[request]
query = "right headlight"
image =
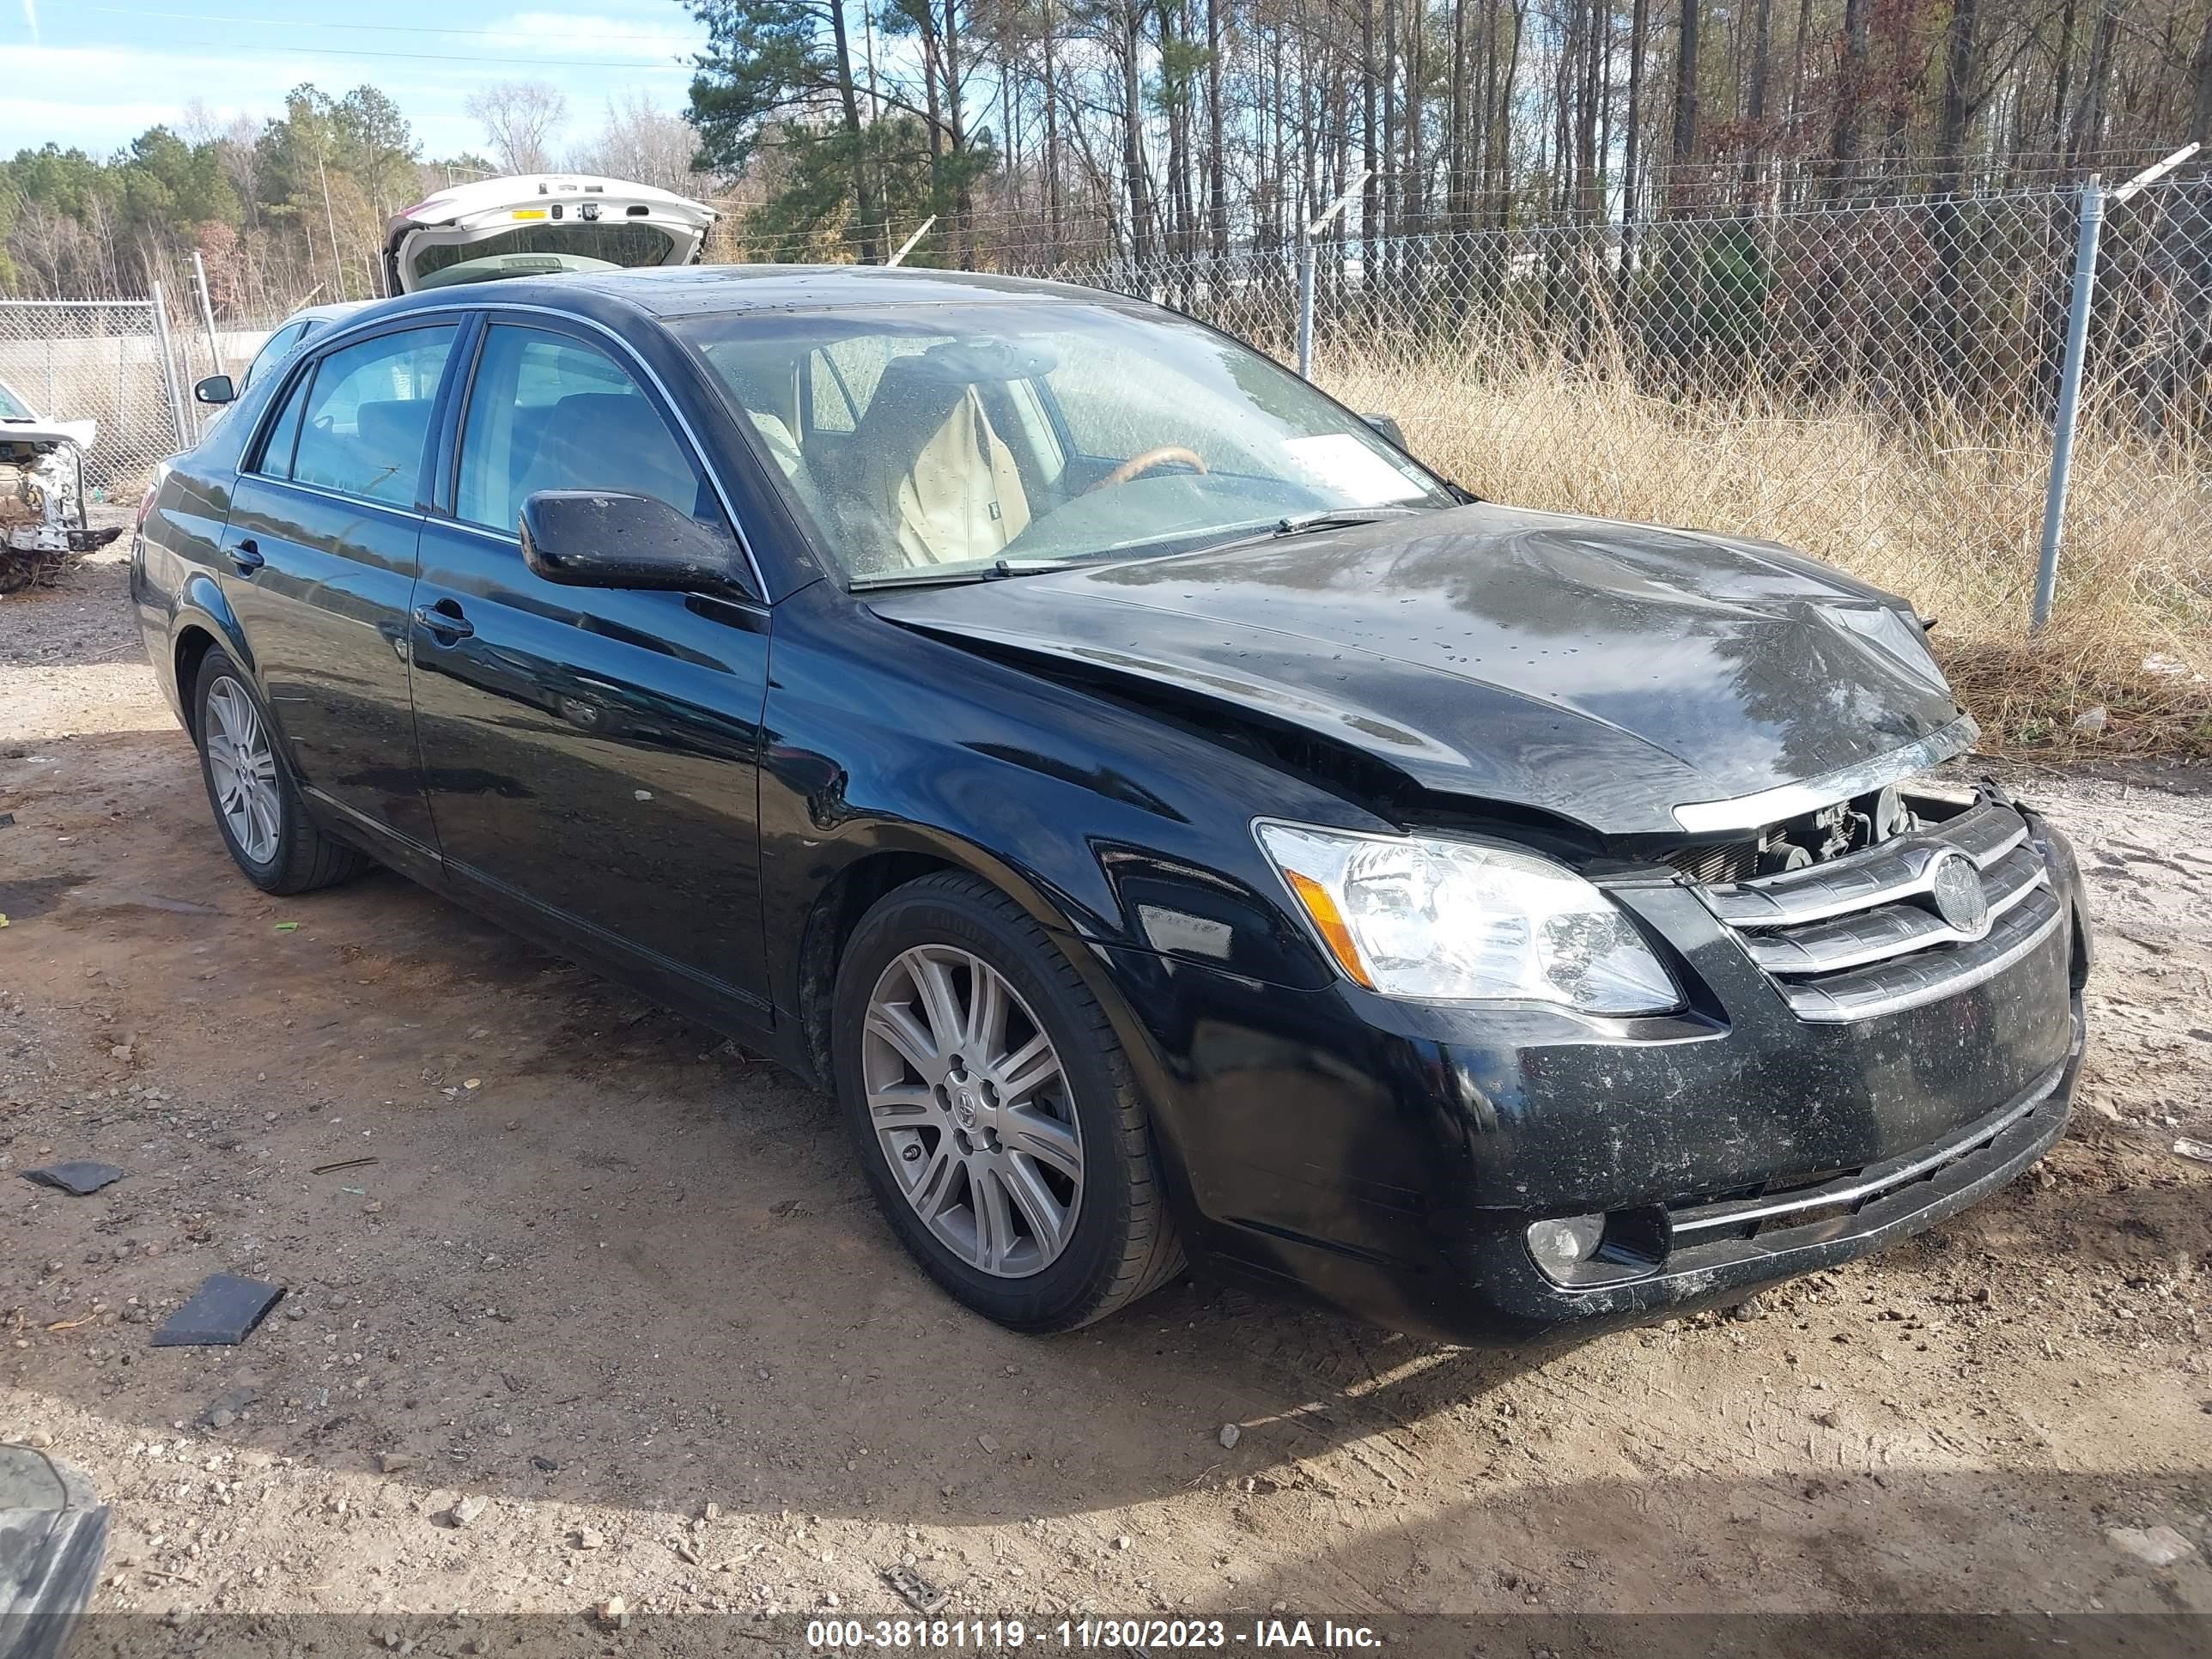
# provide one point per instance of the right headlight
(1462, 921)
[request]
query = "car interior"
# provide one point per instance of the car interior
(942, 453)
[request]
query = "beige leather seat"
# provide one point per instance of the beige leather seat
(933, 473)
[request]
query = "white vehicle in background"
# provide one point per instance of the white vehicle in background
(539, 224)
(535, 224)
(43, 510)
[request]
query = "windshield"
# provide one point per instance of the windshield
(948, 438)
(11, 406)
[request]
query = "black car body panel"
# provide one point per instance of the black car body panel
(1599, 673)
(700, 792)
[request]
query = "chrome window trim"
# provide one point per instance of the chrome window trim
(369, 502)
(1791, 800)
(335, 338)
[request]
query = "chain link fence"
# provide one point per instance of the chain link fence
(115, 363)
(1876, 382)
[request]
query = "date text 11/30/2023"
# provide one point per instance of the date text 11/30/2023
(983, 1636)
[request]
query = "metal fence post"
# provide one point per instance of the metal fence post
(1305, 303)
(2094, 198)
(2070, 398)
(1312, 228)
(207, 313)
(161, 311)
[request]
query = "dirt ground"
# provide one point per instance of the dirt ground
(621, 1281)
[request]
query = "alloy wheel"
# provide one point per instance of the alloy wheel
(969, 1105)
(244, 770)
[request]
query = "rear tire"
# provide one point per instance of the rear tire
(1017, 1168)
(258, 809)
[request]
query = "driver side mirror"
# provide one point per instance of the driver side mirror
(1388, 427)
(599, 539)
(216, 389)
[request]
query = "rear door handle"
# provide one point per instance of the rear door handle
(246, 557)
(445, 618)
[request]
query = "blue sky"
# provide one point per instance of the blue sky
(96, 73)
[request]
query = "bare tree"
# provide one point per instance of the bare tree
(520, 119)
(643, 142)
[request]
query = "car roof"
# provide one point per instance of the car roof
(325, 313)
(676, 292)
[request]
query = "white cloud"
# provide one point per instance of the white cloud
(113, 93)
(562, 34)
(31, 19)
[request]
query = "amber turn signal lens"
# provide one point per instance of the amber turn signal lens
(1326, 917)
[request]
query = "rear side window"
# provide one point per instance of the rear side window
(547, 412)
(273, 350)
(367, 416)
(284, 431)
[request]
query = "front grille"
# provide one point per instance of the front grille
(1860, 936)
(1715, 862)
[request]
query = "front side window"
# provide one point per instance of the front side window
(11, 406)
(367, 416)
(944, 438)
(548, 412)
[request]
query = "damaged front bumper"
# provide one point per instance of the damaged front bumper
(42, 505)
(1392, 1159)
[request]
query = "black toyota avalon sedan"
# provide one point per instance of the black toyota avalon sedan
(1176, 823)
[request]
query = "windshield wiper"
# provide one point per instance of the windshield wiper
(1340, 518)
(927, 577)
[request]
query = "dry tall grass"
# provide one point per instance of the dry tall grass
(1945, 512)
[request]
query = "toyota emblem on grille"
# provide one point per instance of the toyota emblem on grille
(1955, 885)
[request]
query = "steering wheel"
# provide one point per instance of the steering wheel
(1137, 466)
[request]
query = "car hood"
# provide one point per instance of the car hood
(31, 430)
(1607, 673)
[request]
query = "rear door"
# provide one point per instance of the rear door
(593, 754)
(319, 564)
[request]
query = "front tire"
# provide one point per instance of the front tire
(994, 1111)
(257, 805)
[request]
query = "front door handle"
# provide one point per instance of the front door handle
(445, 618)
(246, 557)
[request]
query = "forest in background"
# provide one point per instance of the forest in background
(1133, 129)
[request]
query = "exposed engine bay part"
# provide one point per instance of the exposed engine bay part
(1821, 837)
(43, 511)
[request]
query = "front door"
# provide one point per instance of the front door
(319, 563)
(592, 754)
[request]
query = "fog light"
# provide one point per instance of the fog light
(1562, 1244)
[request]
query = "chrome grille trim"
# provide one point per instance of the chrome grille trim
(1889, 930)
(1858, 938)
(1879, 875)
(1911, 982)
